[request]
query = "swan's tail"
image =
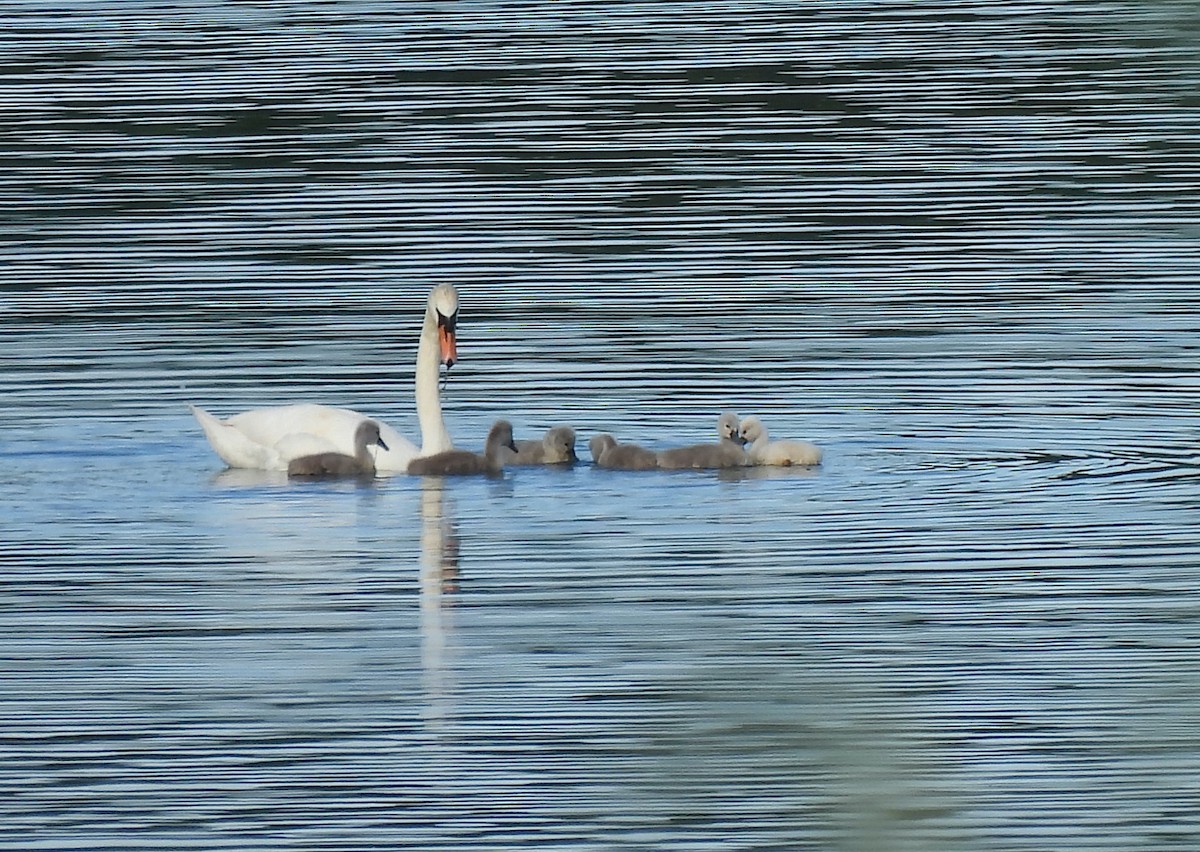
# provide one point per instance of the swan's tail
(208, 423)
(234, 448)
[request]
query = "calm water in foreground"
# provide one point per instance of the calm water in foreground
(955, 244)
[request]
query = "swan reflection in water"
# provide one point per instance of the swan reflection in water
(439, 581)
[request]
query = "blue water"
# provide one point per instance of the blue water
(952, 244)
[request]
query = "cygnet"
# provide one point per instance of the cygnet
(764, 451)
(728, 452)
(556, 447)
(465, 462)
(330, 465)
(606, 452)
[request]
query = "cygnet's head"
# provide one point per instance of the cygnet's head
(752, 429)
(500, 435)
(559, 444)
(727, 427)
(367, 434)
(600, 444)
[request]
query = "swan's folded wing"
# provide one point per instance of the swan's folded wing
(300, 444)
(269, 426)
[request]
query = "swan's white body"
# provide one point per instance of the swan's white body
(764, 451)
(268, 438)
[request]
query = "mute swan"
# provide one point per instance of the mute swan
(606, 452)
(727, 453)
(465, 462)
(556, 447)
(268, 438)
(339, 464)
(782, 453)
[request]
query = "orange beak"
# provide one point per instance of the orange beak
(448, 343)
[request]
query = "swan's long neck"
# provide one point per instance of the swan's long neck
(434, 437)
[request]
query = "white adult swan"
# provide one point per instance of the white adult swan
(268, 438)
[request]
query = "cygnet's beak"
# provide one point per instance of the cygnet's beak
(379, 443)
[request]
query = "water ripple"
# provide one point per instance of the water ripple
(953, 244)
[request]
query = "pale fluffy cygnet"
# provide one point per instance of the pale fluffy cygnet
(606, 452)
(728, 452)
(556, 447)
(764, 451)
(465, 462)
(329, 465)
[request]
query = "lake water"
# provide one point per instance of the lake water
(954, 244)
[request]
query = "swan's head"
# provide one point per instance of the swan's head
(752, 429)
(443, 307)
(559, 444)
(728, 426)
(367, 434)
(600, 444)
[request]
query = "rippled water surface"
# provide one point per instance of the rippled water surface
(954, 244)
